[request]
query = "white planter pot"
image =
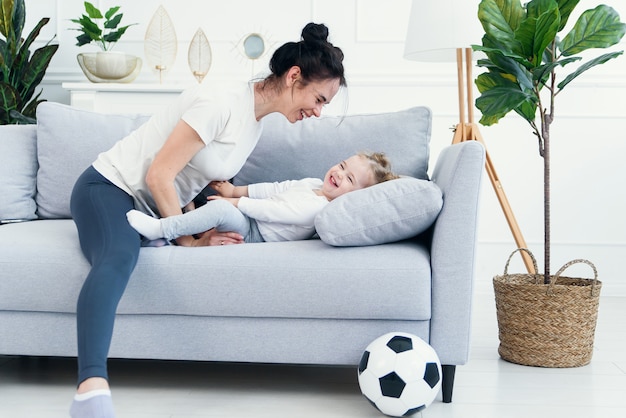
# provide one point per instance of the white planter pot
(109, 66)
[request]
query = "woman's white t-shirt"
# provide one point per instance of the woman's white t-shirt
(224, 118)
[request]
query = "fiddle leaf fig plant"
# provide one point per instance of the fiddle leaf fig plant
(101, 29)
(529, 62)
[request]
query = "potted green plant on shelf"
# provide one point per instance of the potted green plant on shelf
(104, 30)
(20, 72)
(527, 54)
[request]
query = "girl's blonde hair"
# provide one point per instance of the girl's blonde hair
(380, 166)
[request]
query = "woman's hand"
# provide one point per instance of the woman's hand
(214, 237)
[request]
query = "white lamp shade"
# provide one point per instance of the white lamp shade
(438, 27)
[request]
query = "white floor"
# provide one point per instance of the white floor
(487, 387)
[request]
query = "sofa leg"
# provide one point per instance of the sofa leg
(447, 382)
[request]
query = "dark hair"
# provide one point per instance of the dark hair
(317, 58)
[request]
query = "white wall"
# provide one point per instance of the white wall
(589, 139)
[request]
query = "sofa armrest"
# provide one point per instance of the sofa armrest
(458, 172)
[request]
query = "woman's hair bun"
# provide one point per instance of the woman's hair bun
(317, 58)
(315, 33)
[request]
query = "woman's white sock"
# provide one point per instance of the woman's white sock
(93, 404)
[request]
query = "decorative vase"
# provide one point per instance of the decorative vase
(109, 66)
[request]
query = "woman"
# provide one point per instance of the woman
(206, 135)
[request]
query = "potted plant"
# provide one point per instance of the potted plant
(529, 62)
(20, 72)
(104, 30)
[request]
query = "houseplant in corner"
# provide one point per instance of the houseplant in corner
(20, 72)
(544, 320)
(104, 30)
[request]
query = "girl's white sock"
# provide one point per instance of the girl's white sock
(146, 225)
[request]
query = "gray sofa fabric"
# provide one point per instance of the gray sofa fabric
(305, 302)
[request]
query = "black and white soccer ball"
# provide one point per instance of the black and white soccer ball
(400, 374)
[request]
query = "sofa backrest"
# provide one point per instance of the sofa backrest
(310, 147)
(69, 139)
(18, 172)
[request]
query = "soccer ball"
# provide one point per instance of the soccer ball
(399, 374)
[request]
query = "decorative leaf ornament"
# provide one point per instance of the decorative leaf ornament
(160, 44)
(199, 55)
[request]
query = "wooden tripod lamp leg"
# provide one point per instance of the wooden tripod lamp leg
(468, 132)
(504, 203)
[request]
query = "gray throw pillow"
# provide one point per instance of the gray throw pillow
(310, 147)
(18, 170)
(386, 212)
(68, 141)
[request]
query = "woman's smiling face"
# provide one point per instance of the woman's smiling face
(305, 101)
(351, 174)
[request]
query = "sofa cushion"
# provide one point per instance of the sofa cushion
(309, 148)
(386, 212)
(297, 279)
(68, 141)
(18, 170)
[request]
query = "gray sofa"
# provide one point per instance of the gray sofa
(399, 256)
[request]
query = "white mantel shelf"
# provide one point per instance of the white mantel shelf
(125, 87)
(122, 97)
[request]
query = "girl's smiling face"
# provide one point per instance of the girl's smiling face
(351, 174)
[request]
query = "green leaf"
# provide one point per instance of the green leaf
(506, 63)
(541, 73)
(93, 11)
(35, 70)
(90, 27)
(34, 33)
(83, 39)
(489, 51)
(596, 28)
(2, 63)
(500, 19)
(596, 61)
(112, 23)
(115, 36)
(111, 12)
(23, 55)
(6, 17)
(21, 119)
(29, 112)
(8, 102)
(527, 110)
(497, 102)
(499, 96)
(19, 18)
(539, 29)
(565, 9)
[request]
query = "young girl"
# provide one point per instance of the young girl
(260, 212)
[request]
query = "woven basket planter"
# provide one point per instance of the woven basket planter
(546, 325)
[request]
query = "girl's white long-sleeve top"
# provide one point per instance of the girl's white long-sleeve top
(284, 211)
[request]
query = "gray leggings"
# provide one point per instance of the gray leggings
(219, 214)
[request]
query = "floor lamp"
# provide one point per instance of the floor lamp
(441, 30)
